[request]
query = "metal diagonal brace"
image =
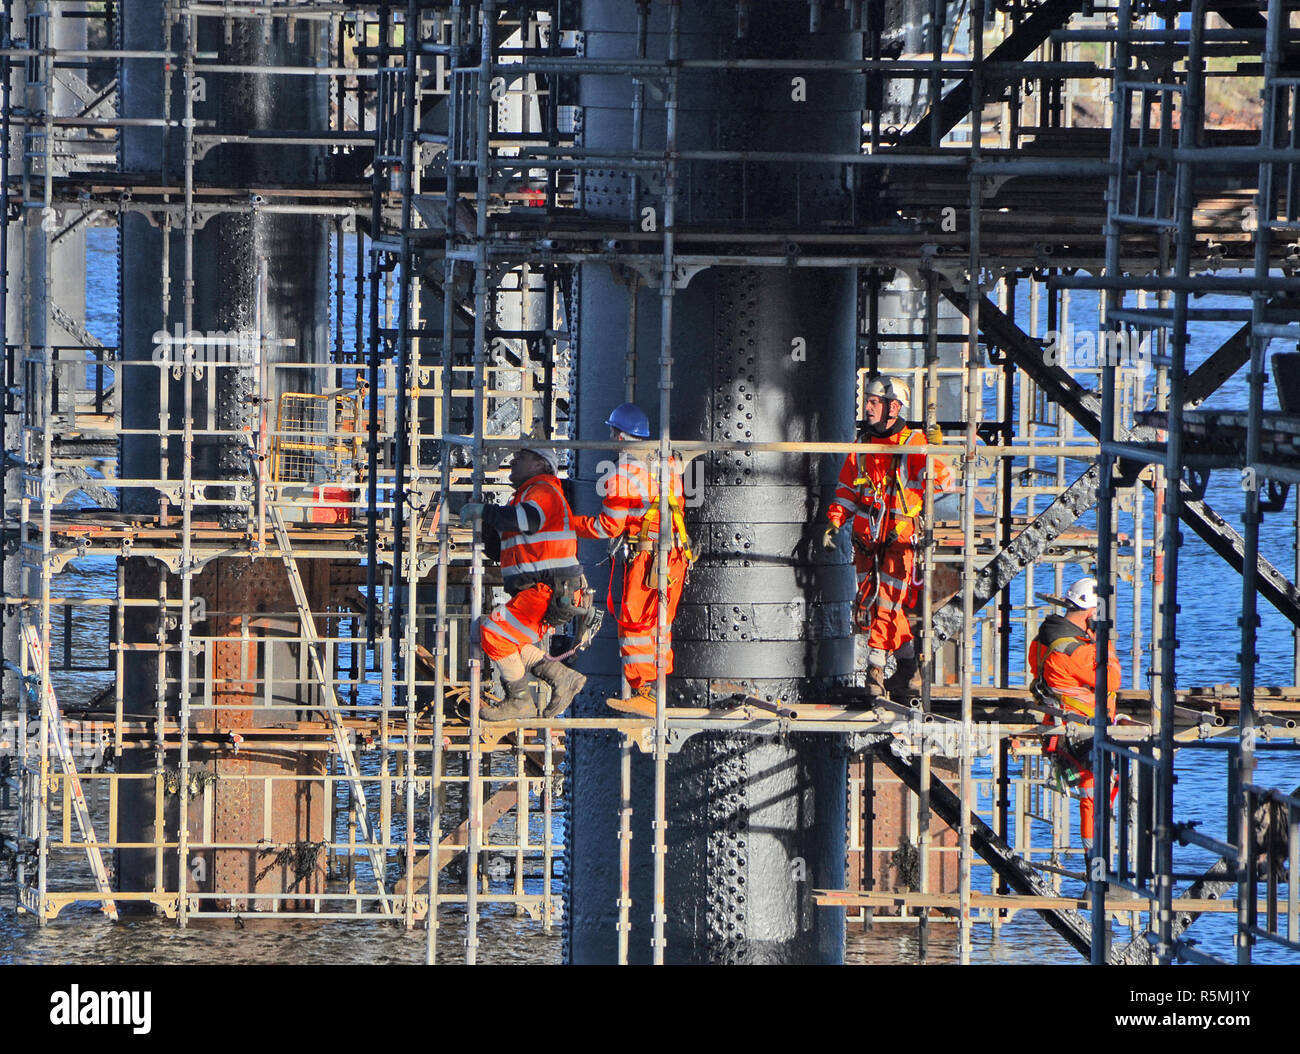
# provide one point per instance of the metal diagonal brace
(1023, 550)
(1013, 869)
(1220, 878)
(956, 105)
(1084, 407)
(1081, 495)
(311, 641)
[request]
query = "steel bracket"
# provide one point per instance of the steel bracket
(990, 186)
(857, 742)
(949, 268)
(652, 274)
(59, 558)
(644, 738)
(170, 562)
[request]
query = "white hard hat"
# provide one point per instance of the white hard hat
(901, 392)
(1083, 594)
(889, 388)
(548, 454)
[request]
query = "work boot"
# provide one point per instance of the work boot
(565, 684)
(906, 680)
(642, 702)
(517, 703)
(876, 679)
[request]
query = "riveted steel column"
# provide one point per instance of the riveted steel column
(199, 273)
(758, 354)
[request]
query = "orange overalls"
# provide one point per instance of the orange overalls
(884, 494)
(530, 561)
(1066, 665)
(630, 507)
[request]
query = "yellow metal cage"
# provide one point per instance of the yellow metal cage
(317, 438)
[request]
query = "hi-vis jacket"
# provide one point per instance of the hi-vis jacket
(538, 541)
(886, 491)
(631, 504)
(1064, 657)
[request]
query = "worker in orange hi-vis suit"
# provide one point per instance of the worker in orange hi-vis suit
(1063, 657)
(882, 495)
(630, 510)
(540, 571)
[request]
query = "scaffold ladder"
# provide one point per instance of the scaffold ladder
(50, 704)
(311, 640)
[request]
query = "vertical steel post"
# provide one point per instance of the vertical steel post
(548, 774)
(12, 366)
(625, 847)
(970, 460)
(926, 554)
(1006, 503)
(483, 112)
(1266, 205)
(1184, 205)
(1104, 622)
(405, 628)
(521, 822)
(187, 474)
(667, 287)
(438, 756)
(45, 405)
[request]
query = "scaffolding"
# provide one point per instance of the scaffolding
(453, 203)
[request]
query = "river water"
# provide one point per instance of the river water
(1210, 597)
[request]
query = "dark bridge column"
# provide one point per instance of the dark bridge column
(761, 354)
(227, 251)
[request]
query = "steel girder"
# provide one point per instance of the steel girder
(1085, 407)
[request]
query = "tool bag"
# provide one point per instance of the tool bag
(573, 600)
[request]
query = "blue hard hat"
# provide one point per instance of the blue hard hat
(629, 419)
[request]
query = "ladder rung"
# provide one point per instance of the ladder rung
(59, 737)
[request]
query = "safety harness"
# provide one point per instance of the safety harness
(880, 491)
(1069, 750)
(869, 591)
(645, 536)
(644, 541)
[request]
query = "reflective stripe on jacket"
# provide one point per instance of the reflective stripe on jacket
(881, 492)
(528, 557)
(1065, 661)
(630, 502)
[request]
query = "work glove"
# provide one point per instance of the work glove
(934, 436)
(471, 511)
(828, 538)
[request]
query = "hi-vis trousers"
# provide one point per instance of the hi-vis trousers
(883, 584)
(637, 614)
(516, 623)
